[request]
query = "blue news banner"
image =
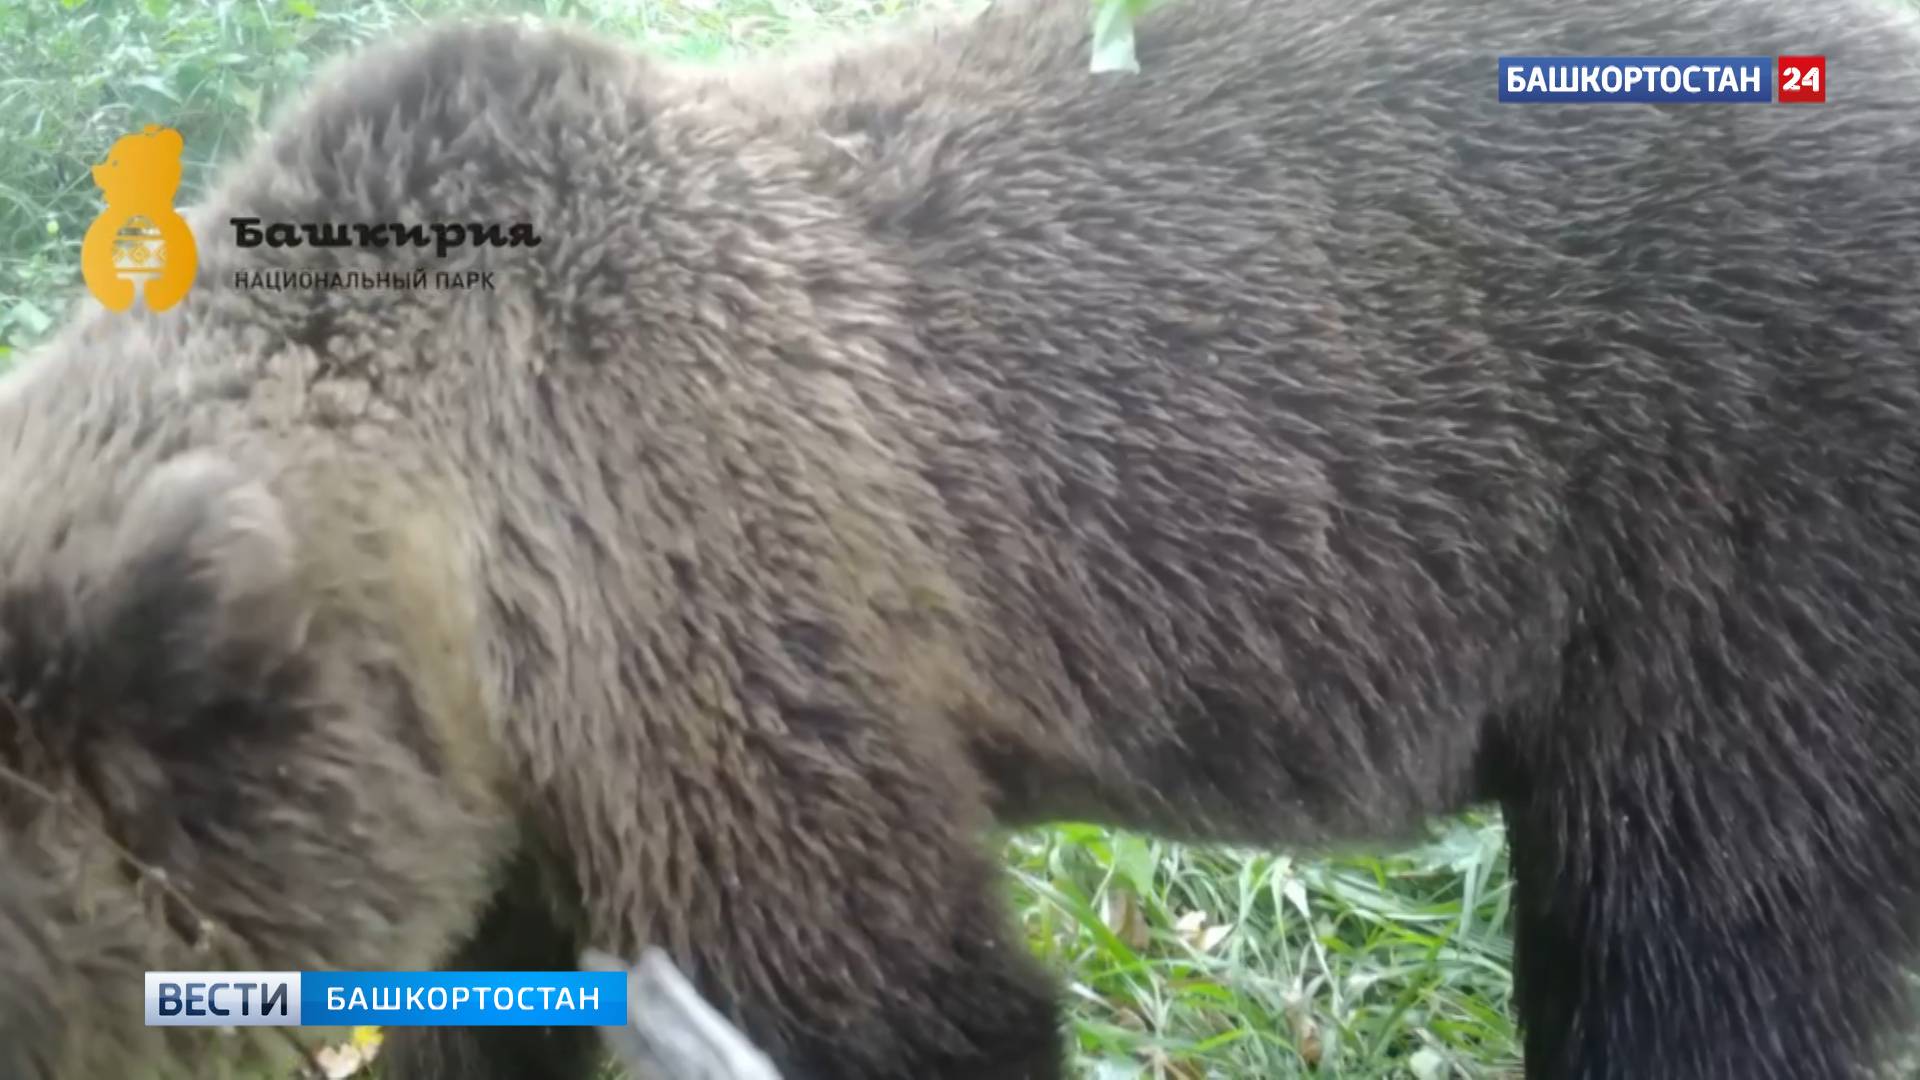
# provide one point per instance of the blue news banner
(386, 998)
(1663, 79)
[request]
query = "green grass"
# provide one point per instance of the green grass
(1180, 962)
(1189, 962)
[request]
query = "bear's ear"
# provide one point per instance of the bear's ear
(198, 596)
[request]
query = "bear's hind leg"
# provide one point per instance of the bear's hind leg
(1712, 909)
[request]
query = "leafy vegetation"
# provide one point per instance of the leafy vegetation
(1188, 962)
(1181, 962)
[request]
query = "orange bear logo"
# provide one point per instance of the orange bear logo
(140, 244)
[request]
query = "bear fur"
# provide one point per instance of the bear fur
(1282, 445)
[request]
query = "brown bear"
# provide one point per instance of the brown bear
(1281, 445)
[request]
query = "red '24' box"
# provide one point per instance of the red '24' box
(1801, 79)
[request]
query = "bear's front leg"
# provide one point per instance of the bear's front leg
(825, 886)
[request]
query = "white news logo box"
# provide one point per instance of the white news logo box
(223, 999)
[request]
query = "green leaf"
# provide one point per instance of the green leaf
(1113, 43)
(27, 314)
(302, 9)
(155, 84)
(246, 98)
(1113, 37)
(1133, 857)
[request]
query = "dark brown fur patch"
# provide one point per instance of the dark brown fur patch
(1282, 445)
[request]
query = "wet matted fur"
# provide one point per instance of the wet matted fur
(1282, 445)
